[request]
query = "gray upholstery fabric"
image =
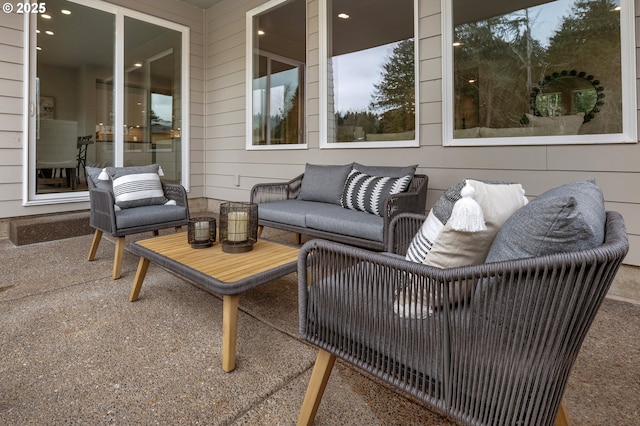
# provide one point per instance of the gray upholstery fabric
(148, 215)
(390, 171)
(567, 218)
(93, 173)
(292, 212)
(324, 183)
(347, 222)
(323, 217)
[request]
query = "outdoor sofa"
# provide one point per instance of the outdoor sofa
(351, 204)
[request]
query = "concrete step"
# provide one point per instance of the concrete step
(30, 230)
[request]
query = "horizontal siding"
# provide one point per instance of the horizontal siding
(11, 104)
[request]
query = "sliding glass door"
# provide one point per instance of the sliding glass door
(108, 88)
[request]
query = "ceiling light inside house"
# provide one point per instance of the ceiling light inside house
(137, 64)
(456, 44)
(48, 32)
(343, 15)
(260, 32)
(471, 80)
(65, 12)
(38, 48)
(45, 16)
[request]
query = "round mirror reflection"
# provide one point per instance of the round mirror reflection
(567, 93)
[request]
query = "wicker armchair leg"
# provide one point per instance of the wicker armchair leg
(315, 389)
(97, 236)
(117, 258)
(561, 418)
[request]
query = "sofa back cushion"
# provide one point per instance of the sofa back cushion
(391, 171)
(323, 183)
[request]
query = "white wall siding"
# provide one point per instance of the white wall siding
(11, 104)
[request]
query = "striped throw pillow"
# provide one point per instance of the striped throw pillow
(367, 193)
(136, 186)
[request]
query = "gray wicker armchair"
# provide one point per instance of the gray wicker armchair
(501, 356)
(105, 218)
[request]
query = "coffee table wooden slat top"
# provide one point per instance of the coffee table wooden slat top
(220, 272)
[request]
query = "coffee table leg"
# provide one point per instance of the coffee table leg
(229, 331)
(143, 266)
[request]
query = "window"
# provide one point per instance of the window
(102, 101)
(276, 43)
(539, 72)
(368, 74)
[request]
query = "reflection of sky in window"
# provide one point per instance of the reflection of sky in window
(162, 106)
(282, 83)
(354, 75)
(547, 18)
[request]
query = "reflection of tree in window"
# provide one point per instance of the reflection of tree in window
(392, 106)
(512, 52)
(394, 96)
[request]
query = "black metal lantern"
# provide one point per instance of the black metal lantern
(238, 226)
(201, 232)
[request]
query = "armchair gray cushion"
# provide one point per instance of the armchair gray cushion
(149, 215)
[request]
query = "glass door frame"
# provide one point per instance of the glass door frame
(29, 195)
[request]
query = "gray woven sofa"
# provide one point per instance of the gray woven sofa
(310, 204)
(501, 355)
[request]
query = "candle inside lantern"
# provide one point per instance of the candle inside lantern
(237, 230)
(201, 231)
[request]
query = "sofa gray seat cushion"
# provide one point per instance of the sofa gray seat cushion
(324, 217)
(149, 215)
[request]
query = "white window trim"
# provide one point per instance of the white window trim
(324, 107)
(629, 112)
(29, 196)
(250, 49)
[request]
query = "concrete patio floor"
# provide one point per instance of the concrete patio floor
(73, 350)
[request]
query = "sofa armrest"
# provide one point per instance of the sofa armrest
(277, 191)
(413, 200)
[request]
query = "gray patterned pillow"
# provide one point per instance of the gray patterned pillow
(368, 193)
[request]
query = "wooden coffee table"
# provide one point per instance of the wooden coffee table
(221, 273)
